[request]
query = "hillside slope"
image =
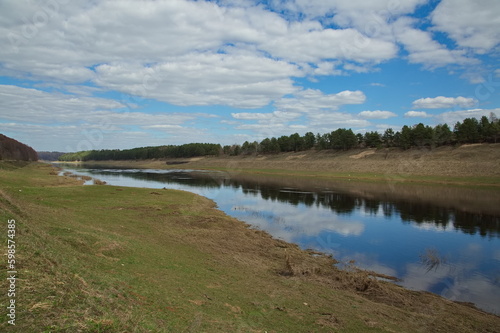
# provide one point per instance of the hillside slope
(465, 163)
(11, 149)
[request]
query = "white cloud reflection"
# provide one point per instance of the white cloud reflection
(289, 222)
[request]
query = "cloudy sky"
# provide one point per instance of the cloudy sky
(77, 75)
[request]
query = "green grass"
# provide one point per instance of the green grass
(115, 259)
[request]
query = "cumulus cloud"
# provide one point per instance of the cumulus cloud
(241, 81)
(377, 114)
(318, 44)
(442, 102)
(423, 49)
(85, 136)
(326, 121)
(266, 116)
(453, 117)
(157, 32)
(312, 100)
(315, 110)
(252, 116)
(44, 115)
(351, 12)
(37, 106)
(471, 24)
(236, 53)
(417, 114)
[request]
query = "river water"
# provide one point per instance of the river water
(445, 240)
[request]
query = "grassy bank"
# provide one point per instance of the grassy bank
(470, 165)
(111, 259)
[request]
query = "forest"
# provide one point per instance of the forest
(49, 155)
(11, 149)
(143, 153)
(471, 130)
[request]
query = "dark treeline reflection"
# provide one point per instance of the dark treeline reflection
(340, 202)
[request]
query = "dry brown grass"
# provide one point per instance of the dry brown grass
(478, 160)
(99, 182)
(390, 164)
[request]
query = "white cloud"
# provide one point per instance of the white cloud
(359, 68)
(36, 106)
(204, 79)
(266, 116)
(453, 117)
(39, 117)
(472, 24)
(118, 44)
(272, 124)
(423, 49)
(252, 116)
(350, 12)
(383, 20)
(319, 112)
(23, 104)
(234, 53)
(417, 114)
(73, 137)
(311, 100)
(326, 121)
(442, 102)
(319, 44)
(377, 114)
(323, 68)
(169, 36)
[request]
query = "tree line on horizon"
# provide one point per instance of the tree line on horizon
(471, 130)
(144, 153)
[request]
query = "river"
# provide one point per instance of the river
(445, 240)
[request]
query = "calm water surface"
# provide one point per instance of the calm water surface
(443, 240)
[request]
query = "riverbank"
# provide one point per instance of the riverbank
(111, 259)
(470, 165)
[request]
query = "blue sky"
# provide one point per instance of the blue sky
(77, 75)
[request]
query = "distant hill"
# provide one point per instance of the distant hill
(11, 149)
(49, 155)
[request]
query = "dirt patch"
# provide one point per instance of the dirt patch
(235, 309)
(295, 157)
(329, 320)
(471, 145)
(362, 154)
